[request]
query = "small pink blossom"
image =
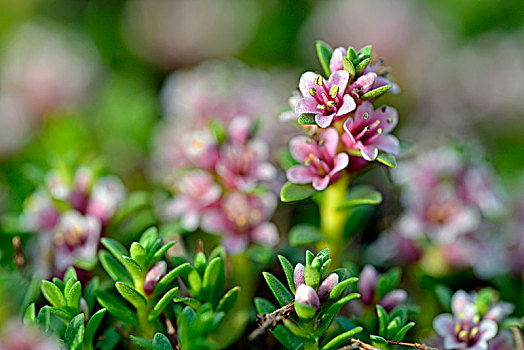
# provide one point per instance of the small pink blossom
(154, 276)
(321, 163)
(368, 131)
(18, 336)
(327, 100)
(106, 195)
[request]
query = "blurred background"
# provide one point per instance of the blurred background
(101, 78)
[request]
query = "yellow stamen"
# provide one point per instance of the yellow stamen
(312, 92)
(379, 131)
(476, 319)
(322, 107)
(333, 91)
(474, 332)
(462, 335)
(319, 81)
(457, 327)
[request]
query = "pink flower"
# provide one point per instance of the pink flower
(243, 218)
(327, 100)
(197, 191)
(107, 194)
(17, 336)
(242, 167)
(367, 288)
(321, 163)
(368, 131)
(200, 148)
(39, 213)
(76, 239)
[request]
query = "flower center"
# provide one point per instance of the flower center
(328, 100)
(467, 331)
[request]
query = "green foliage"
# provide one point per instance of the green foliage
(361, 195)
(393, 326)
(291, 192)
(324, 53)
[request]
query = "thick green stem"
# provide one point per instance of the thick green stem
(332, 221)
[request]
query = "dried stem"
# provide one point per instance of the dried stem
(271, 320)
(517, 336)
(412, 345)
(171, 331)
(18, 257)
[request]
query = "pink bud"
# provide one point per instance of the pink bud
(393, 299)
(327, 286)
(298, 275)
(307, 296)
(154, 276)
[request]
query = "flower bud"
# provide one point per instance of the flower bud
(307, 303)
(327, 286)
(298, 275)
(393, 299)
(312, 276)
(154, 276)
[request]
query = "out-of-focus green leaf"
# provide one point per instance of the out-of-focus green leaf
(294, 192)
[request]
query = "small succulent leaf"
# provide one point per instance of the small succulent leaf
(359, 69)
(68, 286)
(382, 319)
(304, 235)
(444, 294)
(393, 326)
(131, 295)
(214, 281)
(142, 342)
(92, 326)
(53, 294)
(61, 314)
(309, 257)
(117, 249)
(402, 332)
(219, 251)
(340, 288)
(229, 300)
(73, 296)
(328, 316)
(324, 53)
(191, 302)
(43, 319)
(349, 67)
(289, 271)
(70, 273)
(160, 342)
(286, 338)
(162, 251)
(74, 335)
(170, 277)
(30, 314)
(280, 292)
(138, 253)
(109, 339)
(325, 267)
(149, 237)
(340, 339)
(388, 281)
(360, 195)
(365, 52)
(194, 282)
(89, 292)
(387, 159)
(116, 307)
(375, 93)
(59, 284)
(264, 306)
(300, 333)
(200, 262)
(114, 269)
(307, 119)
(162, 304)
(291, 192)
(379, 342)
(134, 269)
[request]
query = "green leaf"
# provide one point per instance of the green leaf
(44, 318)
(162, 251)
(218, 251)
(200, 262)
(402, 332)
(328, 316)
(340, 288)
(324, 55)
(74, 335)
(360, 195)
(162, 303)
(131, 295)
(53, 294)
(365, 52)
(117, 249)
(388, 281)
(300, 333)
(289, 271)
(340, 339)
(30, 314)
(61, 314)
(160, 342)
(393, 326)
(170, 277)
(194, 282)
(229, 300)
(307, 119)
(304, 235)
(138, 253)
(294, 192)
(444, 295)
(142, 342)
(387, 159)
(68, 286)
(70, 273)
(348, 66)
(74, 295)
(149, 237)
(375, 93)
(357, 218)
(382, 316)
(280, 292)
(214, 281)
(362, 66)
(113, 268)
(191, 302)
(379, 342)
(134, 269)
(264, 306)
(92, 326)
(116, 307)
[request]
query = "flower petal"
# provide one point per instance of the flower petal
(340, 163)
(487, 329)
(320, 183)
(301, 147)
(306, 105)
(340, 78)
(324, 120)
(387, 143)
(335, 64)
(364, 83)
(369, 152)
(443, 325)
(347, 106)
(266, 233)
(300, 174)
(307, 81)
(388, 117)
(460, 301)
(329, 142)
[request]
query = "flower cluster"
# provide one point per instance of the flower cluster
(474, 321)
(345, 131)
(448, 202)
(70, 214)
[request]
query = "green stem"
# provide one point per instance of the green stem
(332, 221)
(311, 346)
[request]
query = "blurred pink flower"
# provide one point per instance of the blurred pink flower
(18, 336)
(368, 131)
(367, 288)
(321, 163)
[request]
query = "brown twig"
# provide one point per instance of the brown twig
(18, 257)
(271, 320)
(360, 345)
(411, 345)
(171, 331)
(517, 336)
